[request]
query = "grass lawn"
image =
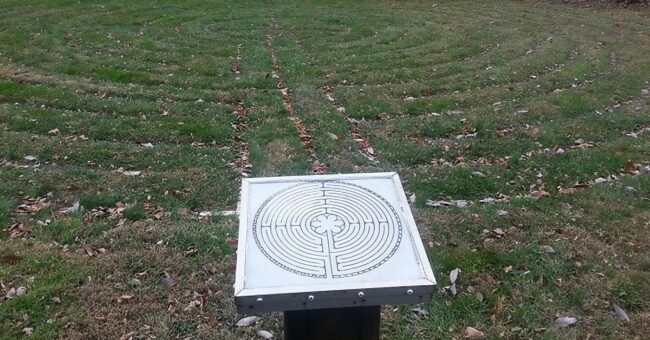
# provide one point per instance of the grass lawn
(148, 114)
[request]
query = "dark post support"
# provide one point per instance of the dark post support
(354, 323)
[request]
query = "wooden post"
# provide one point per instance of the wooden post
(354, 323)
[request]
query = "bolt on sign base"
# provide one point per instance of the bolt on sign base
(328, 242)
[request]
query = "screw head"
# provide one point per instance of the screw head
(361, 294)
(260, 300)
(409, 292)
(310, 298)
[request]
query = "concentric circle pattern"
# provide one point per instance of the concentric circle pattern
(327, 229)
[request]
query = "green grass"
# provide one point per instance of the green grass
(439, 91)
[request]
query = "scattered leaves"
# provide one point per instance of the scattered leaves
(31, 205)
(18, 230)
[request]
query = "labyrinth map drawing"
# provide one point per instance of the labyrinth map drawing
(327, 229)
(328, 241)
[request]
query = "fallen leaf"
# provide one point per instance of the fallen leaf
(473, 333)
(436, 203)
(419, 311)
(127, 336)
(169, 280)
(159, 215)
(600, 180)
(565, 321)
(453, 275)
(567, 190)
(547, 249)
(499, 307)
(247, 321)
(265, 334)
(540, 193)
(125, 298)
(75, 207)
(478, 174)
(132, 173)
(631, 165)
(18, 230)
(460, 203)
(621, 313)
(90, 250)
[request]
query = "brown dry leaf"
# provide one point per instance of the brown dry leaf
(149, 207)
(540, 193)
(117, 210)
(31, 205)
(499, 307)
(18, 230)
(127, 336)
(125, 298)
(631, 165)
(159, 214)
(567, 190)
(89, 249)
(582, 184)
(473, 333)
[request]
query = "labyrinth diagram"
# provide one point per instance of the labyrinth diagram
(327, 229)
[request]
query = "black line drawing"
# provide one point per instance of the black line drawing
(327, 229)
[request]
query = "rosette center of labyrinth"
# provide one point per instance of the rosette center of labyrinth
(327, 229)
